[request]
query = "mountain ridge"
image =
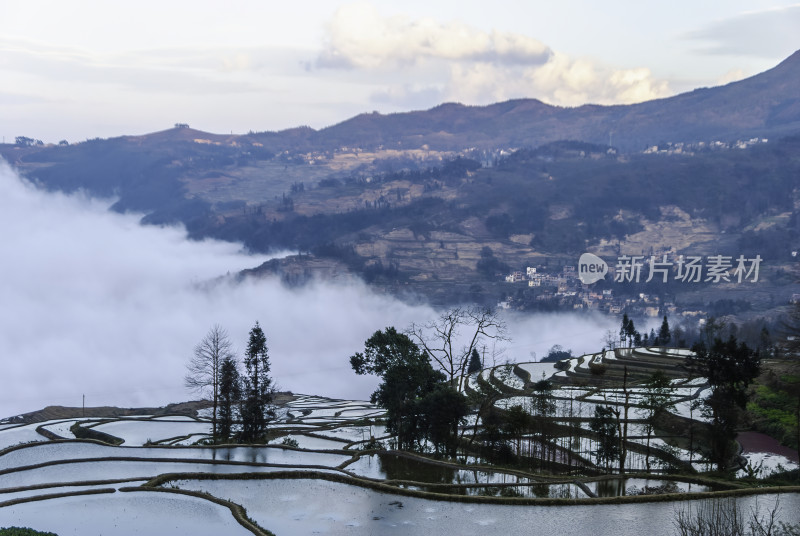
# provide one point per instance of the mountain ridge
(764, 104)
(431, 201)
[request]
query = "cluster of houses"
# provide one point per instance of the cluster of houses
(690, 148)
(565, 288)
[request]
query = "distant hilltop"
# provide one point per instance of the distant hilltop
(762, 106)
(765, 105)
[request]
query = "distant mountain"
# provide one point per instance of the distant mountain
(406, 200)
(765, 105)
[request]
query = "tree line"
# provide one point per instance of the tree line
(241, 401)
(424, 371)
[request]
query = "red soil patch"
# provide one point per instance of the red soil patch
(758, 442)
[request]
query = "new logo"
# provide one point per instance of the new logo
(591, 268)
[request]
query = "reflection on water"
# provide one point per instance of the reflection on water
(240, 454)
(265, 454)
(401, 468)
(389, 466)
(530, 491)
(618, 487)
(614, 487)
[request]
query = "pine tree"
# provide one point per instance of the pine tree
(257, 387)
(475, 364)
(628, 331)
(637, 337)
(656, 398)
(624, 328)
(230, 392)
(605, 426)
(664, 336)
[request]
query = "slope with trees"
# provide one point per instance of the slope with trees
(551, 198)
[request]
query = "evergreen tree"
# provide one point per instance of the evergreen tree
(765, 341)
(664, 335)
(604, 424)
(543, 409)
(637, 337)
(628, 331)
(494, 438)
(624, 328)
(544, 403)
(230, 392)
(258, 388)
(475, 364)
(517, 423)
(657, 397)
(621, 417)
(441, 411)
(409, 390)
(730, 368)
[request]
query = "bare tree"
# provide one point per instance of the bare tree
(725, 517)
(205, 366)
(451, 339)
(610, 339)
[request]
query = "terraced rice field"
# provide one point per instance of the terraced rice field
(581, 384)
(162, 479)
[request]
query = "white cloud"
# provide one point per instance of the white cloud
(473, 66)
(95, 304)
(358, 36)
(561, 81)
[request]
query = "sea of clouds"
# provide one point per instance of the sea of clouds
(93, 303)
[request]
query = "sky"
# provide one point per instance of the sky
(95, 304)
(85, 69)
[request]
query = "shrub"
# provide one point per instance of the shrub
(18, 531)
(290, 442)
(372, 444)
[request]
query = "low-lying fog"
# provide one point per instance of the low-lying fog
(93, 303)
